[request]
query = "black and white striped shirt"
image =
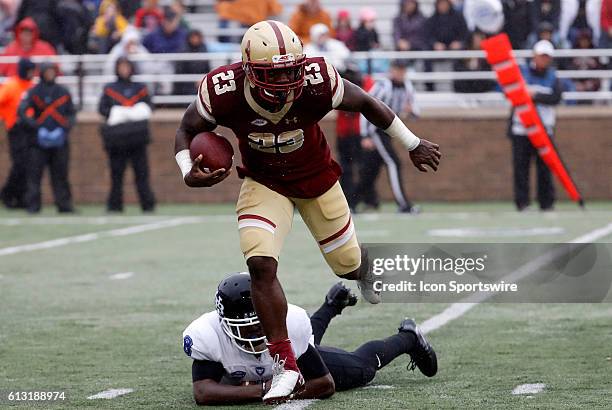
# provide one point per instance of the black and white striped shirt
(395, 97)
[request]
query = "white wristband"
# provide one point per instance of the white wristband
(398, 129)
(183, 159)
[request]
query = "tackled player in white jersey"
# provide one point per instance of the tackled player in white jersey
(231, 363)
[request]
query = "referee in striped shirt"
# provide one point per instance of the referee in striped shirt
(398, 93)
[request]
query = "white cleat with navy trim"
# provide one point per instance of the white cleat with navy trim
(285, 384)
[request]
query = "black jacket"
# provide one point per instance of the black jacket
(48, 105)
(126, 135)
(446, 28)
(121, 92)
(518, 22)
(75, 21)
(364, 39)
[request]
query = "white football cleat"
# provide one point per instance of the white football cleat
(285, 383)
(366, 286)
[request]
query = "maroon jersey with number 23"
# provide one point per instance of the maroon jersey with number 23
(285, 150)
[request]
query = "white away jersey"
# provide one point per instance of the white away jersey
(204, 339)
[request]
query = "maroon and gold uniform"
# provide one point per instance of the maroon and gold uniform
(286, 150)
(286, 162)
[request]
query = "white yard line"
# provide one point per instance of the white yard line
(54, 243)
(111, 220)
(295, 405)
(458, 309)
(110, 394)
(529, 388)
(473, 232)
(379, 386)
(81, 220)
(121, 276)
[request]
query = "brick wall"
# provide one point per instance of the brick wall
(476, 158)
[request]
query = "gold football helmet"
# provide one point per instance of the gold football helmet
(273, 59)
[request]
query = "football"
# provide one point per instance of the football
(216, 151)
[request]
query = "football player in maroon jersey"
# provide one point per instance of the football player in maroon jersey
(273, 100)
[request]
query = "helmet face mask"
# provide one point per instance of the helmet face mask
(273, 59)
(275, 82)
(247, 334)
(237, 315)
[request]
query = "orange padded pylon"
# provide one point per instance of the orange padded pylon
(499, 55)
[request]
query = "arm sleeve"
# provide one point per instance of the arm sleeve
(299, 329)
(311, 364)
(70, 111)
(336, 85)
(206, 369)
(22, 112)
(203, 102)
(105, 104)
(553, 98)
(147, 98)
(4, 94)
(200, 342)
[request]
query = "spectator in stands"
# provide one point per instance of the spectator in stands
(130, 44)
(149, 16)
(307, 15)
(398, 93)
(195, 44)
(366, 36)
(322, 45)
(545, 31)
(13, 194)
(446, 28)
(546, 11)
(605, 40)
(45, 14)
(128, 7)
(348, 142)
(344, 30)
(179, 8)
(409, 27)
(579, 15)
(517, 21)
(108, 27)
(8, 14)
(26, 44)
(126, 107)
(545, 90)
(93, 6)
(170, 37)
(76, 21)
(473, 64)
(247, 12)
(48, 111)
(584, 41)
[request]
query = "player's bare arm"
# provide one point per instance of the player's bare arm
(209, 392)
(422, 152)
(191, 125)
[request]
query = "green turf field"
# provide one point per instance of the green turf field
(66, 324)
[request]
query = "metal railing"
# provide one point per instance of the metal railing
(84, 74)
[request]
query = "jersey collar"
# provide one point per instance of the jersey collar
(275, 117)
